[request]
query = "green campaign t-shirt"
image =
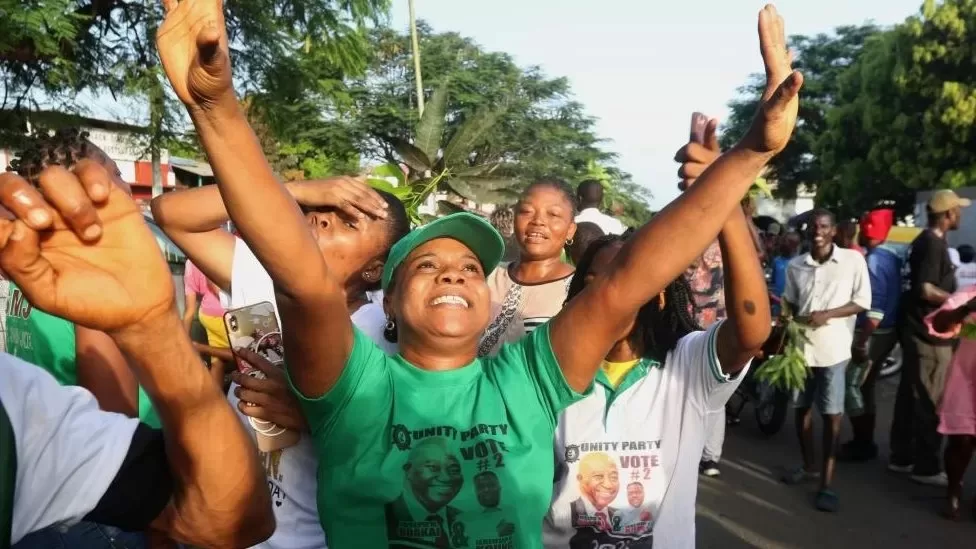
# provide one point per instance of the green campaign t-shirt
(49, 342)
(459, 458)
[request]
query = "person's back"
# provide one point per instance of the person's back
(966, 269)
(590, 197)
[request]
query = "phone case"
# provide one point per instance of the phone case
(255, 327)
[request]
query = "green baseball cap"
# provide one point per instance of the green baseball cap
(468, 229)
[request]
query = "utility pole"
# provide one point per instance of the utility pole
(416, 60)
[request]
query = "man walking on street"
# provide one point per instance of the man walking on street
(590, 196)
(825, 289)
(915, 443)
(875, 335)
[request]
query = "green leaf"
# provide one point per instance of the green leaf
(412, 156)
(431, 125)
(483, 190)
(387, 171)
(760, 187)
(468, 136)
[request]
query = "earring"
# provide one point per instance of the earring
(569, 242)
(390, 325)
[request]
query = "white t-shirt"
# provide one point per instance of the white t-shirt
(68, 451)
(645, 447)
(292, 471)
(609, 224)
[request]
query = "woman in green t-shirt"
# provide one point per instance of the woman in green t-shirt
(435, 447)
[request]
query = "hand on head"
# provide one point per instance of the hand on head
(351, 195)
(82, 250)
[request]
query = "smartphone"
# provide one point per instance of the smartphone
(698, 123)
(256, 328)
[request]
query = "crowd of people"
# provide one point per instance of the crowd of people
(559, 381)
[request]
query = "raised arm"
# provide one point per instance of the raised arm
(665, 246)
(194, 220)
(192, 43)
(748, 323)
(99, 266)
(102, 369)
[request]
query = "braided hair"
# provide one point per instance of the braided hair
(65, 147)
(661, 322)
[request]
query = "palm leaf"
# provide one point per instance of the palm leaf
(411, 155)
(483, 190)
(468, 136)
(431, 125)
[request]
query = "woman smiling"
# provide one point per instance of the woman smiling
(528, 292)
(405, 441)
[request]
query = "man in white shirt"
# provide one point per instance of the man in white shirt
(825, 288)
(590, 196)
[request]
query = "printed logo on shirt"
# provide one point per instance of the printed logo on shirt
(612, 479)
(272, 470)
(453, 489)
(18, 305)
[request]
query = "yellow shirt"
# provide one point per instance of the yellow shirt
(616, 371)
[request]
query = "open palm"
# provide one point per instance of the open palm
(192, 44)
(776, 117)
(113, 283)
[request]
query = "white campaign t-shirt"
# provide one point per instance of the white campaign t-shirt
(68, 451)
(627, 471)
(291, 472)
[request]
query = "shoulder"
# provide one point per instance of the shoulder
(851, 257)
(797, 262)
(370, 319)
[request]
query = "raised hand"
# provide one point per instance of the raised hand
(776, 116)
(695, 157)
(83, 253)
(192, 44)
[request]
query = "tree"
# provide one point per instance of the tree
(909, 110)
(52, 49)
(822, 59)
(535, 128)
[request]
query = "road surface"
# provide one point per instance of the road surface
(748, 507)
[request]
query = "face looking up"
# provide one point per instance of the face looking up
(543, 222)
(352, 245)
(440, 293)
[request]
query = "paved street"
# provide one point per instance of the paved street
(748, 506)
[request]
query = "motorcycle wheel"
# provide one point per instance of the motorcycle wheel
(770, 407)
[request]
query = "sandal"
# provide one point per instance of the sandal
(799, 476)
(827, 501)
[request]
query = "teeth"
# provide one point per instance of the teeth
(535, 235)
(450, 300)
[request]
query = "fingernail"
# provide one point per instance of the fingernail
(92, 232)
(38, 217)
(99, 190)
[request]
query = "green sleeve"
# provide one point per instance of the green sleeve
(529, 366)
(363, 383)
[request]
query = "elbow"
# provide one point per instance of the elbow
(156, 207)
(258, 524)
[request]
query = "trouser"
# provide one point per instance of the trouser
(714, 435)
(914, 436)
(879, 347)
(84, 535)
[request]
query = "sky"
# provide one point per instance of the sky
(641, 67)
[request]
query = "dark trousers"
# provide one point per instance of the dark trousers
(914, 436)
(84, 535)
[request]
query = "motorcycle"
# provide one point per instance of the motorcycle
(769, 403)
